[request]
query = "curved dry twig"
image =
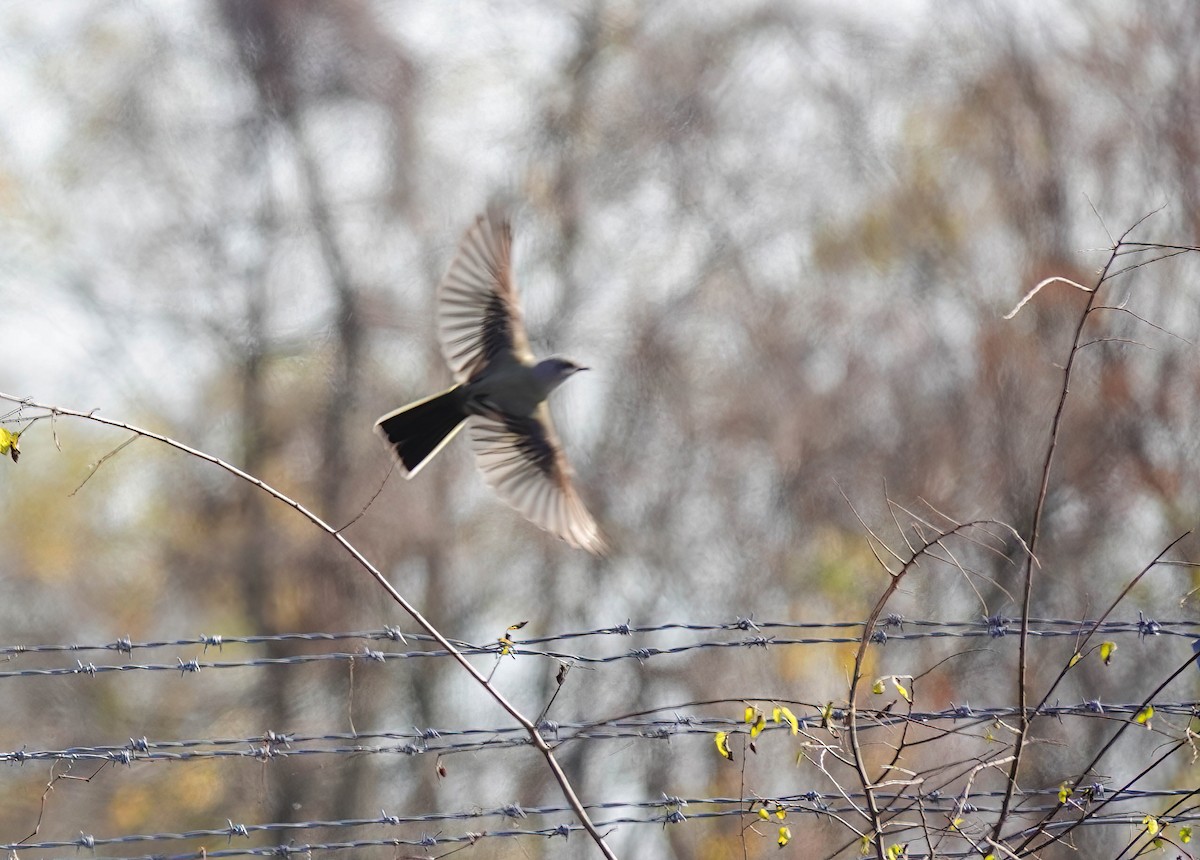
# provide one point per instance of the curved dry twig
(535, 736)
(1053, 280)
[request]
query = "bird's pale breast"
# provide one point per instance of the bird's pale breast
(512, 389)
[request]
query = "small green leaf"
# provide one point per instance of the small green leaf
(826, 715)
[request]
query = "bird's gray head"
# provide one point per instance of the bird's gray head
(554, 371)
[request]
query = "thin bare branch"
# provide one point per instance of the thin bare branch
(1157, 259)
(1111, 241)
(96, 466)
(371, 500)
(1143, 320)
(872, 534)
(1124, 340)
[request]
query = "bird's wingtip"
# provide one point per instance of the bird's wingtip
(592, 540)
(600, 547)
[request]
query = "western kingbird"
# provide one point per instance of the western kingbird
(500, 391)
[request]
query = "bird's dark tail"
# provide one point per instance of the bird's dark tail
(419, 430)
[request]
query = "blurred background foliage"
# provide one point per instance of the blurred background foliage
(784, 234)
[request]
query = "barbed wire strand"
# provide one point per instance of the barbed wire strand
(436, 741)
(997, 628)
(673, 814)
(994, 627)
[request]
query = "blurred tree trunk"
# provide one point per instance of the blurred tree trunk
(271, 41)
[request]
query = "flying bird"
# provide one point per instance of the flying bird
(500, 391)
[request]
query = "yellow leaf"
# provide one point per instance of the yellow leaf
(1064, 791)
(989, 857)
(759, 725)
(1144, 715)
(791, 720)
(1151, 824)
(1075, 658)
(722, 741)
(775, 714)
(877, 687)
(1185, 834)
(1107, 649)
(516, 626)
(785, 836)
(897, 851)
(901, 690)
(764, 815)
(10, 443)
(749, 718)
(781, 813)
(956, 823)
(506, 646)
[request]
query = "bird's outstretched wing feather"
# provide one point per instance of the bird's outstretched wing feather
(522, 460)
(479, 319)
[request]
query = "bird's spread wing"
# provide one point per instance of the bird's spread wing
(479, 320)
(522, 460)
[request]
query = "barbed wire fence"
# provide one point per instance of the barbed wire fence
(819, 724)
(885, 774)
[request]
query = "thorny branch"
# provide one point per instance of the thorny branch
(1120, 248)
(870, 785)
(934, 548)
